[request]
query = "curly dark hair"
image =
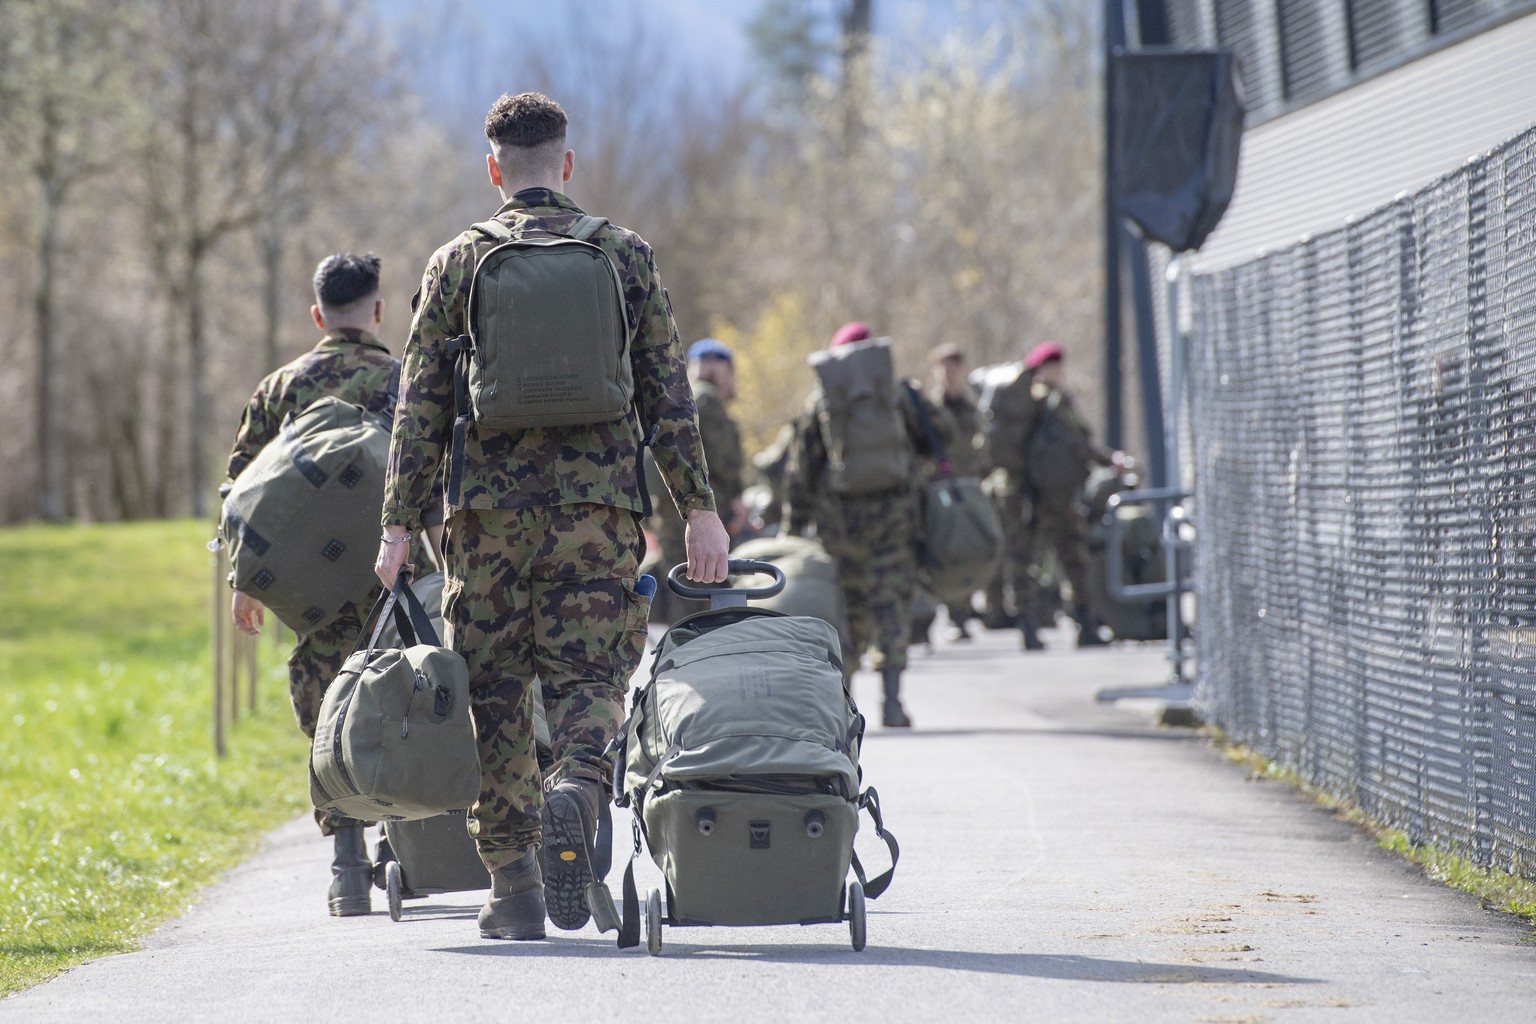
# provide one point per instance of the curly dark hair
(525, 120)
(346, 277)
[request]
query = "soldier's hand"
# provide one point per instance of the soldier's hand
(709, 547)
(394, 547)
(249, 614)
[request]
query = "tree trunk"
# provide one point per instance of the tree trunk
(49, 480)
(197, 377)
(272, 253)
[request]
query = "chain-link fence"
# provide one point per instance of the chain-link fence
(1364, 425)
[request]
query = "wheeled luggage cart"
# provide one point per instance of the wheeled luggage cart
(767, 844)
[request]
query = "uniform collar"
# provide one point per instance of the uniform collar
(538, 198)
(350, 335)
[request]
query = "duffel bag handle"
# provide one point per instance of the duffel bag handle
(411, 619)
(720, 596)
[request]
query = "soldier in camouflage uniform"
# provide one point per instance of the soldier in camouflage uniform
(952, 393)
(872, 538)
(352, 364)
(543, 538)
(1055, 518)
(712, 372)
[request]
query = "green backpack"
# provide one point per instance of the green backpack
(549, 333)
(1056, 466)
(868, 451)
(1009, 411)
(301, 522)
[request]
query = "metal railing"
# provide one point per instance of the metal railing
(1363, 406)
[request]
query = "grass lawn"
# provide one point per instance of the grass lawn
(115, 810)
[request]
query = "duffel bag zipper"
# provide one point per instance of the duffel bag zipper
(341, 764)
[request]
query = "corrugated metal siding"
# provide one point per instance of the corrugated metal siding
(1312, 56)
(1248, 28)
(1187, 23)
(1345, 155)
(1381, 31)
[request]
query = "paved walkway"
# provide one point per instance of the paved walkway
(1062, 860)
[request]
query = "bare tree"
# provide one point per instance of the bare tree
(57, 105)
(252, 103)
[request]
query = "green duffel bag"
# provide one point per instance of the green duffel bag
(962, 538)
(394, 740)
(301, 522)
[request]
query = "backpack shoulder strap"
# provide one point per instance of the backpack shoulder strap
(586, 227)
(496, 229)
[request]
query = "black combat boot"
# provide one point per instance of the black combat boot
(570, 828)
(1032, 640)
(351, 871)
(893, 716)
(1087, 627)
(515, 909)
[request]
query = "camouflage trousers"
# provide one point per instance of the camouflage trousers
(1061, 528)
(549, 594)
(1011, 585)
(316, 660)
(871, 538)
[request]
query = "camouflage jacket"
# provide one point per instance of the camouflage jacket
(546, 466)
(966, 443)
(350, 364)
(722, 442)
(806, 492)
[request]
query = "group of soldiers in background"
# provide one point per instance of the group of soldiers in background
(1044, 485)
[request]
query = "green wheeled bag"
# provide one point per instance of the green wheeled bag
(436, 855)
(740, 763)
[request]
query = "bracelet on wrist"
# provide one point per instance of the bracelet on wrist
(402, 539)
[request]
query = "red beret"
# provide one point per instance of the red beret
(1042, 354)
(849, 333)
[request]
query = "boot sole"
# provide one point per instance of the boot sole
(516, 934)
(566, 863)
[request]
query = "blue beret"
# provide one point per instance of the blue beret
(709, 347)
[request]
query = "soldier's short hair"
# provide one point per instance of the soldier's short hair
(346, 278)
(526, 120)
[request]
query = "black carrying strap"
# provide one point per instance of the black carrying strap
(411, 620)
(869, 800)
(930, 433)
(629, 925)
(458, 348)
(647, 439)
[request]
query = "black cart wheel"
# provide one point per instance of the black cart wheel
(392, 886)
(653, 922)
(856, 915)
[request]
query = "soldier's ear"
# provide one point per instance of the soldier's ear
(569, 167)
(493, 169)
(317, 316)
(378, 311)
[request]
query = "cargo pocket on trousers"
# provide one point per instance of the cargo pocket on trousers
(632, 639)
